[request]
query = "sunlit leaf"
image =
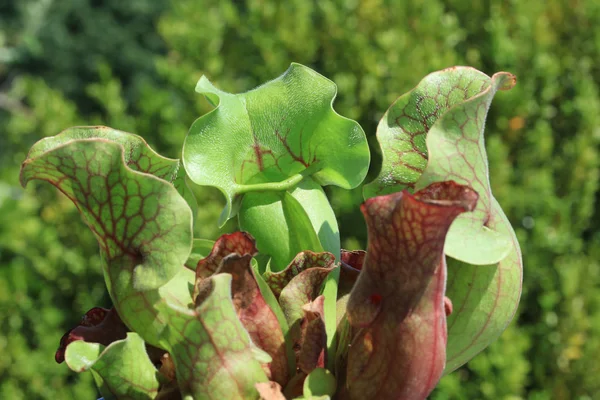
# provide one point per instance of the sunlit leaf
(435, 133)
(142, 224)
(123, 366)
(232, 254)
(396, 308)
(274, 133)
(213, 352)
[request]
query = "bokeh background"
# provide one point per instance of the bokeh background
(133, 65)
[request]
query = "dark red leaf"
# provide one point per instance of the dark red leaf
(236, 243)
(232, 254)
(98, 325)
(256, 315)
(396, 308)
(313, 341)
(302, 261)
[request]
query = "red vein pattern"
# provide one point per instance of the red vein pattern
(303, 261)
(397, 306)
(232, 254)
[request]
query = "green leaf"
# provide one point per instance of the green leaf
(435, 133)
(319, 382)
(280, 225)
(214, 355)
(137, 155)
(143, 226)
(403, 129)
(396, 308)
(124, 367)
(271, 137)
(484, 298)
(458, 153)
(316, 205)
(445, 113)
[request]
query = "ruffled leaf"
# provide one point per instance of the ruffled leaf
(304, 260)
(255, 314)
(303, 289)
(435, 133)
(143, 226)
(279, 131)
(239, 243)
(255, 304)
(213, 353)
(98, 325)
(123, 367)
(137, 155)
(201, 248)
(396, 307)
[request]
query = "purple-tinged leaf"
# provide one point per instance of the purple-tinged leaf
(239, 243)
(256, 315)
(396, 308)
(304, 260)
(350, 266)
(256, 307)
(302, 289)
(201, 248)
(313, 340)
(98, 325)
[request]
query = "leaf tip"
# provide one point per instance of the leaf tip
(507, 80)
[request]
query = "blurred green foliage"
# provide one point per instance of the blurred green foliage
(133, 65)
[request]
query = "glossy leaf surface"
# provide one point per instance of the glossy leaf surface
(281, 226)
(274, 133)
